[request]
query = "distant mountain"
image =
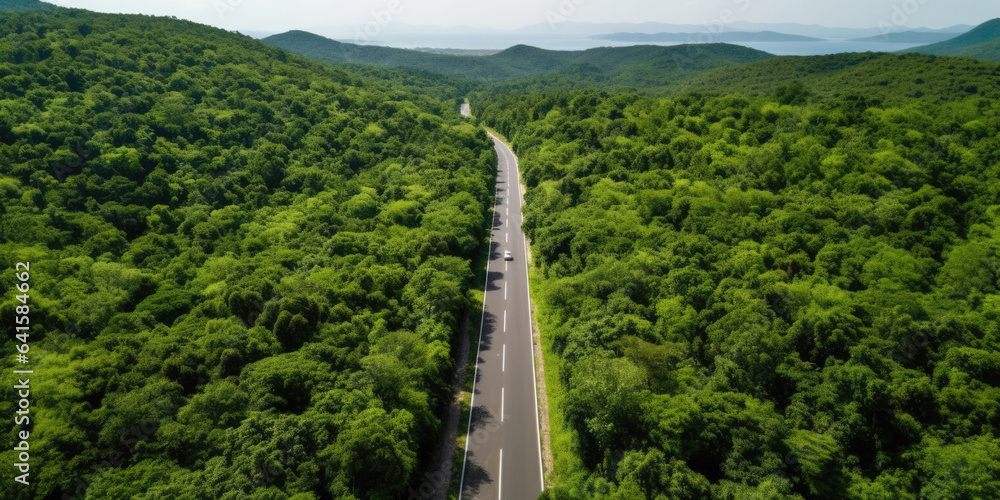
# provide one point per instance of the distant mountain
(24, 5)
(257, 34)
(458, 52)
(957, 29)
(590, 29)
(982, 42)
(639, 65)
(724, 37)
(811, 30)
(324, 49)
(401, 31)
(397, 29)
(909, 37)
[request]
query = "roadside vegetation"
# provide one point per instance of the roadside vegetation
(774, 297)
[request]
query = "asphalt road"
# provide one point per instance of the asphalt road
(503, 458)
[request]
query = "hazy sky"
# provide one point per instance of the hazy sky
(282, 15)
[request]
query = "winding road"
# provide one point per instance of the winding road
(503, 454)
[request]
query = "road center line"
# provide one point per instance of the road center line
(500, 479)
(503, 364)
(501, 404)
(505, 320)
(475, 374)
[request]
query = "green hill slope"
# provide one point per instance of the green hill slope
(981, 42)
(247, 269)
(23, 5)
(324, 49)
(887, 77)
(630, 66)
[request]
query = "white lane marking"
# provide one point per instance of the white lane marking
(501, 405)
(500, 479)
(507, 222)
(505, 291)
(534, 375)
(506, 238)
(508, 211)
(503, 363)
(475, 373)
(505, 320)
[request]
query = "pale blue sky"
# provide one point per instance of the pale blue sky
(281, 15)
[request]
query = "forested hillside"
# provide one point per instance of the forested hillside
(886, 78)
(982, 42)
(246, 269)
(765, 297)
(631, 67)
(23, 5)
(324, 49)
(716, 69)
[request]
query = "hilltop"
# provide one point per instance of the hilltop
(982, 42)
(24, 5)
(717, 68)
(324, 49)
(640, 65)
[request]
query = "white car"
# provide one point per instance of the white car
(508, 256)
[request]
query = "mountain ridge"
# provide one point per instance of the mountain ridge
(724, 37)
(923, 37)
(982, 42)
(520, 61)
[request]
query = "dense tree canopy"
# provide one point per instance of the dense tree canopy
(248, 269)
(780, 297)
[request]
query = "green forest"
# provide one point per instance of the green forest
(774, 297)
(247, 269)
(756, 277)
(641, 67)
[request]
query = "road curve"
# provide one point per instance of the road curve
(503, 458)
